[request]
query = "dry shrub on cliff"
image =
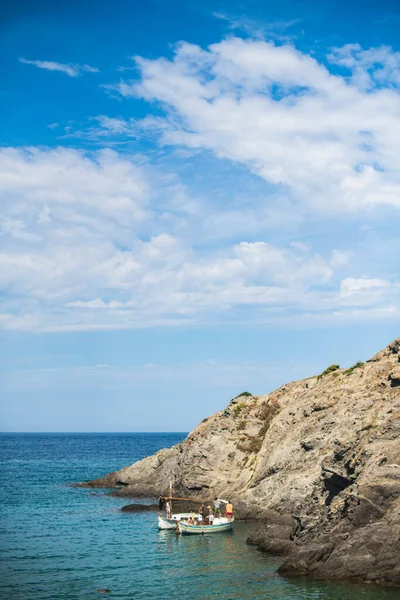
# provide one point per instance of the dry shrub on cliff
(252, 444)
(255, 444)
(268, 410)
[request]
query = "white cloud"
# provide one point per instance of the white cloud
(351, 285)
(88, 243)
(329, 142)
(258, 29)
(378, 297)
(370, 68)
(364, 285)
(107, 240)
(107, 127)
(71, 69)
(63, 178)
(96, 303)
(71, 247)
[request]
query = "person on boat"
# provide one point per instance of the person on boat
(168, 509)
(228, 510)
(202, 510)
(207, 516)
(217, 507)
(211, 519)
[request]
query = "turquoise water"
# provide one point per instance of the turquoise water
(59, 542)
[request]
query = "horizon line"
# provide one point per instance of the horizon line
(90, 432)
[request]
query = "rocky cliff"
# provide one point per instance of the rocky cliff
(317, 460)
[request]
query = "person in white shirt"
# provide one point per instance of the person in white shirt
(217, 507)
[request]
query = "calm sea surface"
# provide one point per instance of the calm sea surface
(59, 542)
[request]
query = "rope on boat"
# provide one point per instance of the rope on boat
(156, 521)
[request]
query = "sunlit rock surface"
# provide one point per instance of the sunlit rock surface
(317, 460)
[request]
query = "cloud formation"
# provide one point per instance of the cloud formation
(370, 68)
(71, 69)
(88, 244)
(330, 140)
(107, 240)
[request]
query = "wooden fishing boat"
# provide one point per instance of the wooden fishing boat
(179, 521)
(170, 523)
(170, 520)
(219, 525)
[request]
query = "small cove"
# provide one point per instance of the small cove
(60, 542)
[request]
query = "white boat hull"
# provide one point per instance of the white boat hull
(170, 523)
(164, 523)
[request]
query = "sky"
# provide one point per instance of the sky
(197, 199)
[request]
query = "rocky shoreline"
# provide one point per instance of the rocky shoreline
(317, 461)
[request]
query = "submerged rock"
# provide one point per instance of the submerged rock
(317, 460)
(139, 507)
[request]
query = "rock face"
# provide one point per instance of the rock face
(318, 460)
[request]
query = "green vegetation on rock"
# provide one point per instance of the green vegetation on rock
(237, 410)
(329, 370)
(242, 394)
(358, 365)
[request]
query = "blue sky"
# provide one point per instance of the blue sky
(196, 200)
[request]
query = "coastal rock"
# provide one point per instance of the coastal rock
(322, 455)
(135, 508)
(275, 536)
(108, 481)
(183, 507)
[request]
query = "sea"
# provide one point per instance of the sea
(61, 542)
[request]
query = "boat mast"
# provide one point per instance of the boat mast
(170, 496)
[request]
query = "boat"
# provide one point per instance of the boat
(170, 523)
(221, 524)
(179, 521)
